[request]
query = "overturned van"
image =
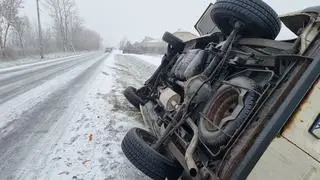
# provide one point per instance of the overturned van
(234, 103)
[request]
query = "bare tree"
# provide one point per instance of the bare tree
(2, 25)
(9, 10)
(18, 36)
(2, 20)
(123, 43)
(70, 32)
(21, 24)
(69, 12)
(62, 12)
(76, 30)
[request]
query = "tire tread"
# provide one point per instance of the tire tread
(147, 160)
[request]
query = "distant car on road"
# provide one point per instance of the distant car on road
(108, 50)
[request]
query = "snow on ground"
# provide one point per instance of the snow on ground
(4, 63)
(106, 117)
(11, 110)
(85, 141)
(152, 59)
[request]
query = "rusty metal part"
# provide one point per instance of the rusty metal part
(289, 124)
(278, 120)
(245, 140)
(236, 110)
(288, 127)
(191, 164)
(231, 104)
(305, 118)
(214, 125)
(259, 42)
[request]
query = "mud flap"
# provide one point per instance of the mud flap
(150, 117)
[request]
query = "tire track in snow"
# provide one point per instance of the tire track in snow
(10, 88)
(76, 157)
(35, 123)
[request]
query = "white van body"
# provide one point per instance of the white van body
(295, 154)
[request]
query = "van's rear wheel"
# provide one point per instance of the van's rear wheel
(136, 146)
(171, 39)
(132, 96)
(259, 18)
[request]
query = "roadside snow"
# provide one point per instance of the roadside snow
(85, 141)
(152, 59)
(90, 147)
(13, 109)
(4, 63)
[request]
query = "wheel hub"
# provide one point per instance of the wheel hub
(227, 107)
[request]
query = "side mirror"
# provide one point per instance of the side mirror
(205, 24)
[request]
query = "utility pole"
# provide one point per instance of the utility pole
(40, 31)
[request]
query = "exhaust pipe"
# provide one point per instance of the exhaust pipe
(191, 164)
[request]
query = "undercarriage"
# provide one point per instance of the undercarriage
(212, 96)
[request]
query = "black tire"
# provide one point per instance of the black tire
(131, 95)
(217, 107)
(171, 39)
(136, 147)
(259, 18)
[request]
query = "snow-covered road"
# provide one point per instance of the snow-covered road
(65, 118)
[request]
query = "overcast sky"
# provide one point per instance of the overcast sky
(114, 19)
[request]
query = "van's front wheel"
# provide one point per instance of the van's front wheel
(136, 146)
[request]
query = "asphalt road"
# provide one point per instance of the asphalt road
(49, 109)
(20, 135)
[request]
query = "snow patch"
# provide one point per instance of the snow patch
(152, 59)
(85, 141)
(11, 110)
(90, 147)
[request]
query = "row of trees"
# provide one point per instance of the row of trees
(19, 36)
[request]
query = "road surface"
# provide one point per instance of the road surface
(65, 118)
